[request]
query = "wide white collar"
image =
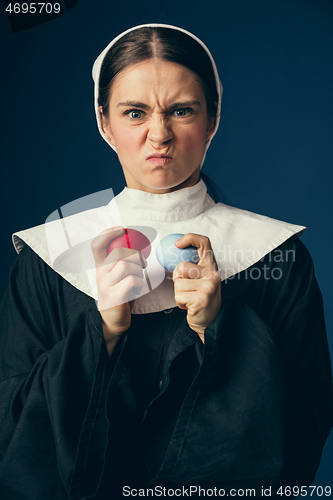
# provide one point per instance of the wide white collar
(238, 238)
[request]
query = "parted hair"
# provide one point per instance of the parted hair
(160, 43)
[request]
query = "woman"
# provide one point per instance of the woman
(175, 379)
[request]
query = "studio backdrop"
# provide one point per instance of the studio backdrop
(273, 151)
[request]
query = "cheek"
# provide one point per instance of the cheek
(127, 139)
(126, 143)
(193, 139)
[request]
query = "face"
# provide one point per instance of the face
(158, 122)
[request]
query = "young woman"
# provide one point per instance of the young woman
(118, 375)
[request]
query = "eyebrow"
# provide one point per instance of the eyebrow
(142, 105)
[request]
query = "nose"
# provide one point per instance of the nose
(159, 132)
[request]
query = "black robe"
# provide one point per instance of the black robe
(251, 407)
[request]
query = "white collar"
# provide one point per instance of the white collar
(182, 204)
(238, 238)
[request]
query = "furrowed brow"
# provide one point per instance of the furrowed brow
(134, 104)
(185, 104)
(176, 105)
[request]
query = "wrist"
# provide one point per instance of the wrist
(200, 332)
(113, 332)
(111, 338)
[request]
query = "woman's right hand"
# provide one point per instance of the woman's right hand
(119, 277)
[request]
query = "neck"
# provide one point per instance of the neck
(135, 184)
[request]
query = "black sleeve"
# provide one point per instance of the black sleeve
(53, 374)
(298, 319)
(288, 299)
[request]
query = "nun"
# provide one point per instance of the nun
(164, 343)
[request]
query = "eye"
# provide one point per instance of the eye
(182, 111)
(134, 114)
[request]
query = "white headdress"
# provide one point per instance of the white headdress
(99, 61)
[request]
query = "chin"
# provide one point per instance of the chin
(163, 184)
(161, 181)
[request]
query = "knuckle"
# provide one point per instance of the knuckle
(175, 274)
(216, 277)
(210, 287)
(94, 245)
(208, 255)
(178, 301)
(121, 266)
(132, 280)
(116, 253)
(194, 273)
(204, 299)
(181, 268)
(207, 274)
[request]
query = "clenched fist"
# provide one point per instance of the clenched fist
(119, 277)
(198, 286)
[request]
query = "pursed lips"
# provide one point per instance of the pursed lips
(159, 159)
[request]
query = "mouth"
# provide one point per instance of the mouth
(158, 159)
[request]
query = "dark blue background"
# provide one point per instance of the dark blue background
(273, 151)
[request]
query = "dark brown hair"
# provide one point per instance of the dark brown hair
(161, 43)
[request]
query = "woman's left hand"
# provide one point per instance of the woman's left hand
(198, 286)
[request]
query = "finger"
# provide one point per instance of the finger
(125, 291)
(185, 285)
(126, 254)
(194, 301)
(208, 288)
(100, 243)
(202, 243)
(120, 258)
(188, 270)
(129, 287)
(123, 269)
(185, 300)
